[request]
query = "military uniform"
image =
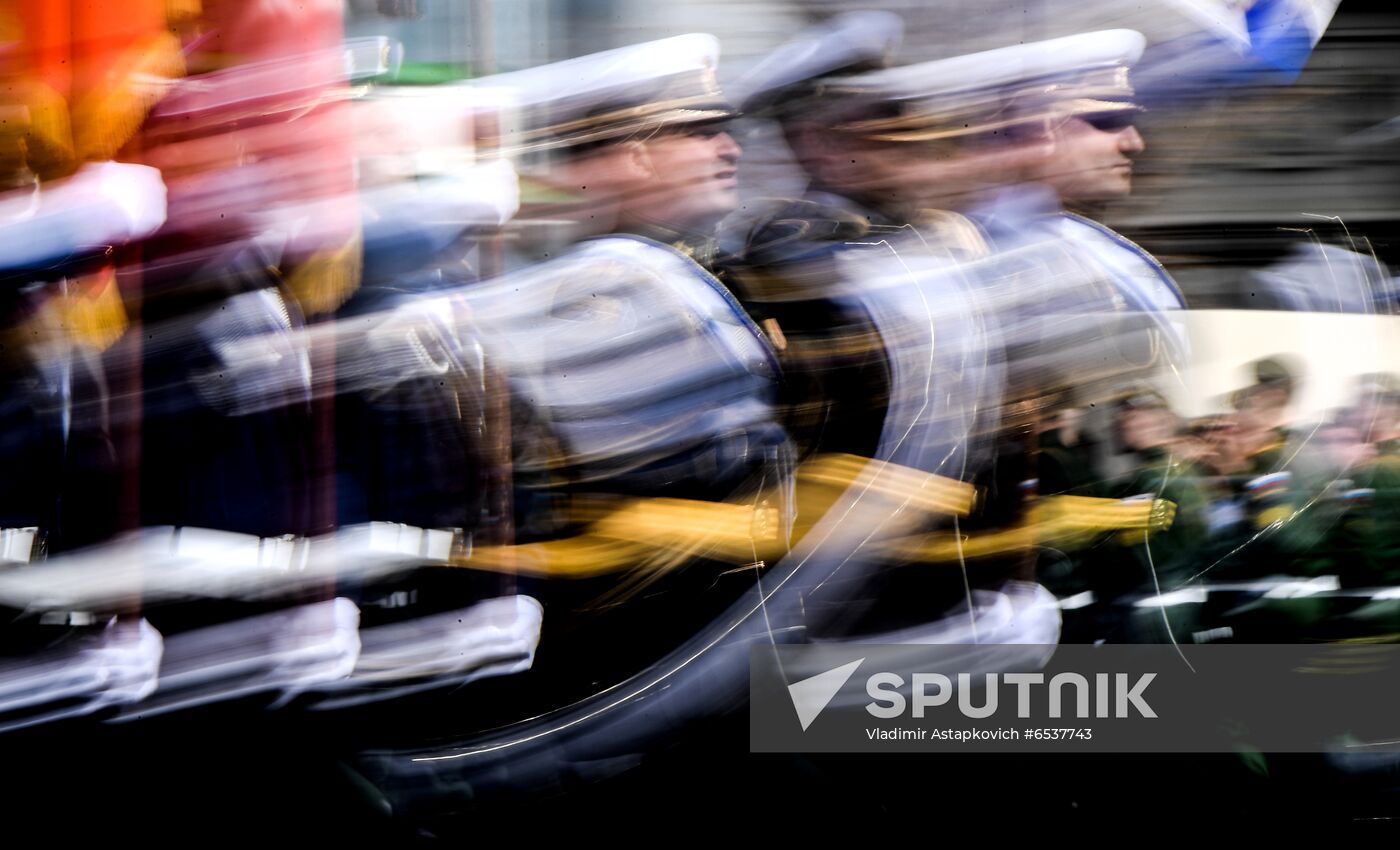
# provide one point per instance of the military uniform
(835, 383)
(1374, 524)
(1062, 468)
(78, 82)
(641, 392)
(1145, 284)
(1175, 553)
(857, 353)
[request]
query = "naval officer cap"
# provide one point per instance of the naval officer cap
(612, 95)
(848, 43)
(982, 92)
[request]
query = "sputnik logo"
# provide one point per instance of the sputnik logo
(811, 695)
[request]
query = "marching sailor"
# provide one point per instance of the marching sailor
(641, 391)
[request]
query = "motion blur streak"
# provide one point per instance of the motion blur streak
(426, 407)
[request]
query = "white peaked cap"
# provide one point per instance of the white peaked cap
(1010, 66)
(845, 42)
(614, 93)
(984, 91)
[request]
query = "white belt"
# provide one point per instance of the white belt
(291, 553)
(17, 544)
(238, 551)
(392, 538)
(165, 563)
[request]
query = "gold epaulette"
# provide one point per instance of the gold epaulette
(326, 279)
(40, 120)
(1276, 515)
(954, 232)
(107, 117)
(91, 311)
(1386, 460)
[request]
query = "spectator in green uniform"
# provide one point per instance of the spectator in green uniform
(1150, 430)
(1377, 526)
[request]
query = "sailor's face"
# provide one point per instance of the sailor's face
(695, 174)
(908, 175)
(1093, 157)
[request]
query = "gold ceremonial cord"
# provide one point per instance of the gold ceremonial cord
(931, 493)
(660, 534)
(1064, 522)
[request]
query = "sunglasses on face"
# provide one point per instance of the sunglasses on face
(704, 130)
(708, 130)
(1110, 122)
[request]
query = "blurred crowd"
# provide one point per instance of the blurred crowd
(1267, 506)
